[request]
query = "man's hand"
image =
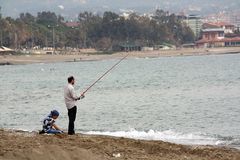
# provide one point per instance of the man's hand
(82, 96)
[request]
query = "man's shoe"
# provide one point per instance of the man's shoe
(41, 132)
(71, 133)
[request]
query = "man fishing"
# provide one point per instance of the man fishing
(71, 98)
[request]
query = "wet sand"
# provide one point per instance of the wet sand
(28, 59)
(18, 145)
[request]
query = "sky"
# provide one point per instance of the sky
(71, 8)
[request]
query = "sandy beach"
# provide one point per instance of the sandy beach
(18, 145)
(81, 56)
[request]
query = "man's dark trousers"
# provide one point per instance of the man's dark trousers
(72, 116)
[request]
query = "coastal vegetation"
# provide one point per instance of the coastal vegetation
(102, 32)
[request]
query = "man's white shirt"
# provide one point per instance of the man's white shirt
(70, 96)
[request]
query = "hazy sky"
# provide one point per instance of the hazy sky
(73, 7)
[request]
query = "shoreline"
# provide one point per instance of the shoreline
(17, 145)
(81, 57)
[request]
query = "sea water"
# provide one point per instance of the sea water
(186, 100)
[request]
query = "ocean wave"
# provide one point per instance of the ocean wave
(168, 136)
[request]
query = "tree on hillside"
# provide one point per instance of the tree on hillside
(27, 18)
(172, 30)
(60, 19)
(90, 28)
(47, 18)
(85, 17)
(102, 32)
(104, 44)
(110, 24)
(161, 16)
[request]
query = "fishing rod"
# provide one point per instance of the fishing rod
(105, 74)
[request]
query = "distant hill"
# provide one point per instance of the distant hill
(70, 8)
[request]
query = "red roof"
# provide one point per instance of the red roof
(235, 39)
(209, 25)
(72, 24)
(220, 24)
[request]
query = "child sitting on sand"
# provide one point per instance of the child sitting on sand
(48, 124)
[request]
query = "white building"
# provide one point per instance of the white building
(195, 23)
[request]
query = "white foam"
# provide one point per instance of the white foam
(168, 136)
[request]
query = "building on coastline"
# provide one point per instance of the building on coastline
(211, 37)
(215, 37)
(127, 47)
(227, 27)
(219, 30)
(195, 23)
(232, 42)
